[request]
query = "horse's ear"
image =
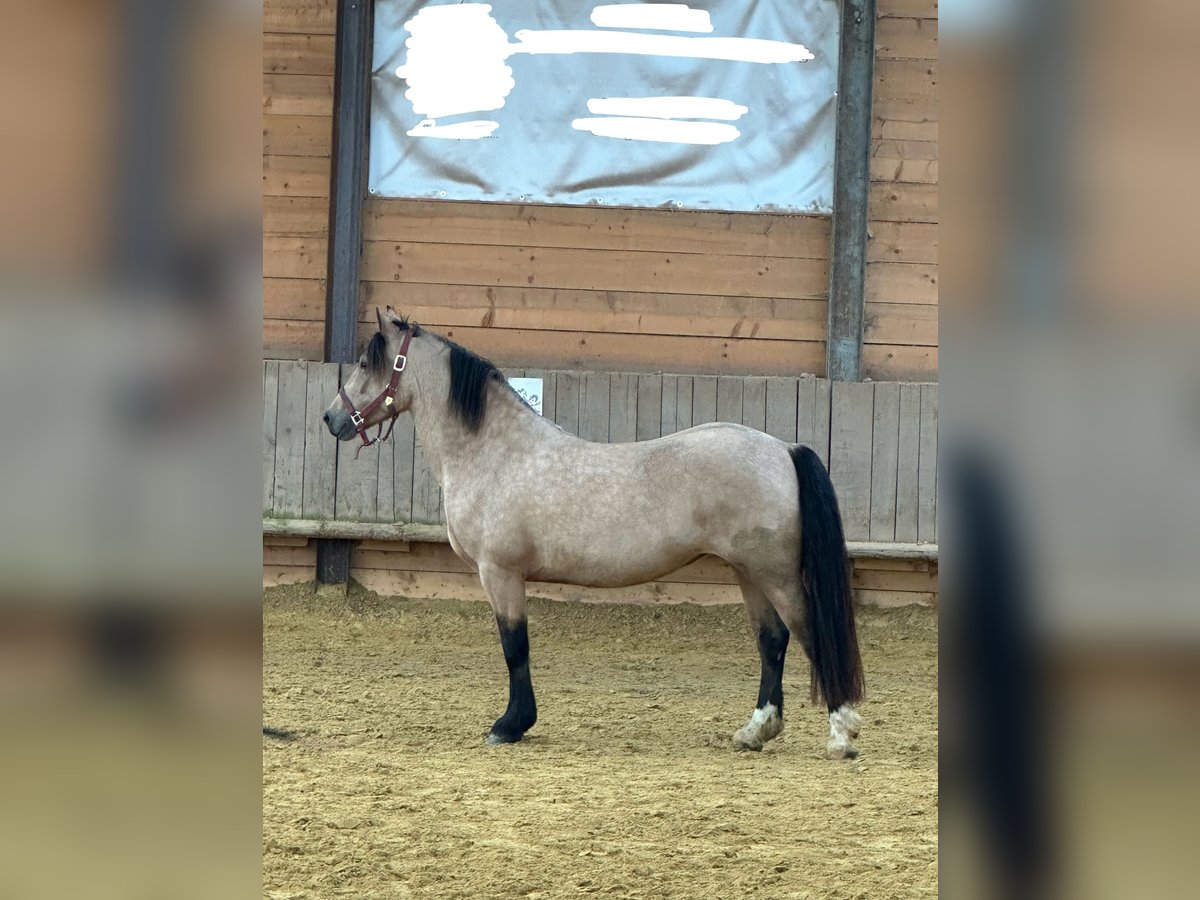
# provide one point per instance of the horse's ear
(379, 316)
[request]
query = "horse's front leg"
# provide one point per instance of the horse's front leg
(506, 593)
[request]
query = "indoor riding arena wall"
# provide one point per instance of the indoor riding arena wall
(608, 289)
(581, 294)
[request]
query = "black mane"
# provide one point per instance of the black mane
(377, 352)
(469, 378)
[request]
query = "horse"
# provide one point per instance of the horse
(527, 501)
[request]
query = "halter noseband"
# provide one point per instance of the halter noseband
(386, 398)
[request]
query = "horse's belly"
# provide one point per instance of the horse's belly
(613, 568)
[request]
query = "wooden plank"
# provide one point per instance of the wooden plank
(295, 176)
(622, 408)
(296, 216)
(904, 38)
(270, 424)
(885, 436)
(593, 408)
(297, 135)
(904, 149)
(290, 433)
(567, 400)
(907, 457)
(754, 402)
(284, 540)
(892, 362)
(592, 228)
(616, 270)
(670, 398)
(300, 299)
(782, 394)
(913, 9)
(704, 399)
(927, 465)
(683, 403)
(729, 399)
(320, 447)
(357, 478)
(649, 407)
(297, 95)
(298, 54)
(889, 282)
(903, 129)
(901, 323)
(403, 454)
(812, 415)
(289, 556)
(285, 339)
(916, 171)
(906, 79)
(893, 599)
(427, 494)
(628, 312)
(292, 257)
(904, 202)
(892, 580)
(852, 406)
(303, 16)
(907, 242)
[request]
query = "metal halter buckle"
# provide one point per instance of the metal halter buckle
(356, 418)
(400, 362)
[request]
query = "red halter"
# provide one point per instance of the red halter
(387, 398)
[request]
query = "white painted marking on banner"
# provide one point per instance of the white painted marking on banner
(668, 107)
(658, 16)
(664, 130)
(752, 50)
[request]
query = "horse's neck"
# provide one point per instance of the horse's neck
(508, 427)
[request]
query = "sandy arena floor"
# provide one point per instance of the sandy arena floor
(628, 785)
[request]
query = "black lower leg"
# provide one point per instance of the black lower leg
(522, 708)
(772, 648)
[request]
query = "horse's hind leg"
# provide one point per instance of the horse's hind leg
(767, 720)
(506, 593)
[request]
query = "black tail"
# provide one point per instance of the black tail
(824, 571)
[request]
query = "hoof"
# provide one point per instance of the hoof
(746, 741)
(764, 724)
(840, 750)
(494, 738)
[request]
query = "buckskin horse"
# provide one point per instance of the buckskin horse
(526, 501)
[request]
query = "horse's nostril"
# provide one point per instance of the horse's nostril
(326, 417)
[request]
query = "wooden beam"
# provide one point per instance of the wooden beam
(347, 189)
(851, 189)
(410, 531)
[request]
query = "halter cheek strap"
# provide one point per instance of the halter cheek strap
(387, 399)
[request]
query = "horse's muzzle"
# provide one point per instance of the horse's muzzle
(339, 424)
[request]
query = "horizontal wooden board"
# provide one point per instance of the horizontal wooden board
(296, 176)
(900, 323)
(901, 283)
(906, 242)
(904, 149)
(298, 54)
(296, 216)
(914, 171)
(905, 38)
(883, 129)
(616, 270)
(292, 257)
(916, 9)
(284, 339)
(673, 231)
(300, 299)
(906, 79)
(894, 362)
(299, 16)
(297, 135)
(285, 94)
(904, 202)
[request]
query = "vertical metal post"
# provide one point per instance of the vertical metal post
(851, 190)
(347, 189)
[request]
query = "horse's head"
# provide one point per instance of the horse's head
(378, 390)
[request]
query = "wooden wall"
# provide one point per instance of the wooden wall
(608, 289)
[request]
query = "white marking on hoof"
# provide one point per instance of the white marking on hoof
(494, 739)
(764, 724)
(844, 724)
